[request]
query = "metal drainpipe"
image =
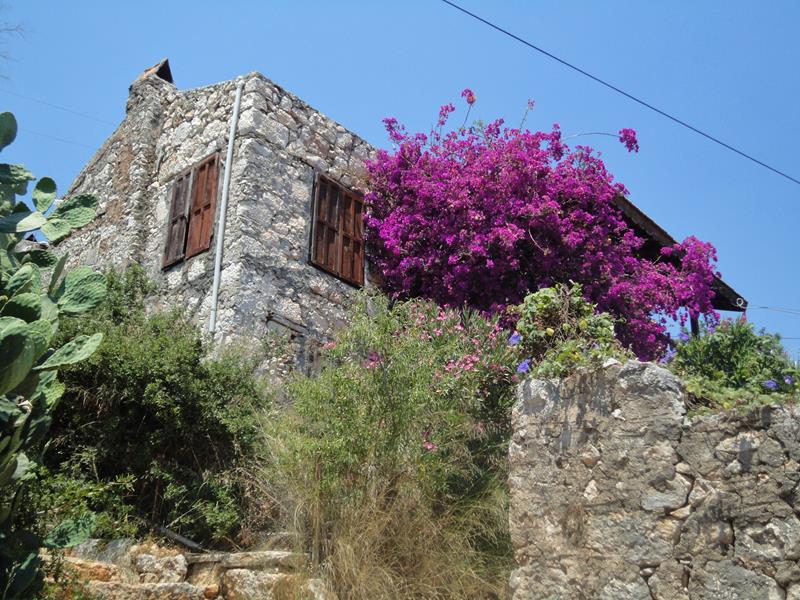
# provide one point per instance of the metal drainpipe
(223, 209)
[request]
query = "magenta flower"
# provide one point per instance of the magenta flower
(373, 360)
(469, 96)
(478, 217)
(628, 137)
(429, 446)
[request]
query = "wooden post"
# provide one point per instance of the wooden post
(695, 326)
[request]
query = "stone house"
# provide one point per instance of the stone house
(247, 167)
(293, 240)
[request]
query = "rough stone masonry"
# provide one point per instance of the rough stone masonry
(617, 495)
(281, 144)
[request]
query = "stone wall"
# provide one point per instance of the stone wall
(281, 142)
(617, 495)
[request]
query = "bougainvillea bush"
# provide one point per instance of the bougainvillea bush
(480, 215)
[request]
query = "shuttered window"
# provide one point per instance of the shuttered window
(338, 231)
(194, 203)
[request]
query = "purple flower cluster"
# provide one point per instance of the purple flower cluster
(469, 96)
(481, 216)
(628, 137)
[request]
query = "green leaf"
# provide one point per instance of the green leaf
(76, 350)
(44, 194)
(71, 532)
(20, 222)
(41, 332)
(56, 229)
(16, 176)
(49, 310)
(77, 211)
(27, 306)
(8, 411)
(17, 352)
(23, 576)
(50, 387)
(41, 258)
(8, 129)
(84, 289)
(26, 279)
(57, 271)
(23, 468)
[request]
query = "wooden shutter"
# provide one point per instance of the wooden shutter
(326, 226)
(351, 266)
(176, 233)
(204, 205)
(339, 231)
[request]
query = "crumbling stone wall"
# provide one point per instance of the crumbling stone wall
(617, 495)
(281, 143)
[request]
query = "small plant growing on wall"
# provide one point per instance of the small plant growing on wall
(35, 290)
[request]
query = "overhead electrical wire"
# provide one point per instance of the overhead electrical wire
(56, 106)
(620, 91)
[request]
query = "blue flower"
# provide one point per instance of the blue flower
(788, 379)
(683, 336)
(514, 339)
(524, 366)
(668, 356)
(771, 384)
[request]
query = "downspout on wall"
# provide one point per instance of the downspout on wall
(223, 209)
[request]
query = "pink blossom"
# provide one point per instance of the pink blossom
(628, 137)
(469, 96)
(480, 217)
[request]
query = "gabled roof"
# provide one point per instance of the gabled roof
(725, 297)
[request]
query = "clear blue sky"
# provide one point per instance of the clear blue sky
(728, 67)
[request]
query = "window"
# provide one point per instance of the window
(338, 231)
(191, 216)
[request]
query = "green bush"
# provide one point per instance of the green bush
(732, 365)
(558, 331)
(391, 460)
(160, 426)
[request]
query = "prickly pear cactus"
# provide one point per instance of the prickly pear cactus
(34, 291)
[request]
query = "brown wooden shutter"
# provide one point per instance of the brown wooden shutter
(338, 231)
(176, 233)
(204, 205)
(351, 265)
(326, 226)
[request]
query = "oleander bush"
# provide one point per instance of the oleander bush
(391, 461)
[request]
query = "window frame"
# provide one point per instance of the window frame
(355, 235)
(191, 173)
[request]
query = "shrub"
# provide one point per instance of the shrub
(391, 461)
(155, 420)
(732, 365)
(559, 331)
(483, 215)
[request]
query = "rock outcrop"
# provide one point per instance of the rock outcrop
(122, 570)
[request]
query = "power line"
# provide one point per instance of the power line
(57, 139)
(619, 91)
(56, 106)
